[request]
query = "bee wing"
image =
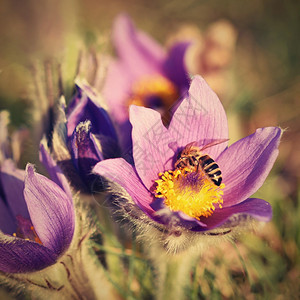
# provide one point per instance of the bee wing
(214, 143)
(189, 145)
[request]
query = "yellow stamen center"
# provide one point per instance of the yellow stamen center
(190, 192)
(155, 88)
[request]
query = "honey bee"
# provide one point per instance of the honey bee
(193, 158)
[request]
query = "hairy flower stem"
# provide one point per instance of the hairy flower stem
(173, 272)
(78, 282)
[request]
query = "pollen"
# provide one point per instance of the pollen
(154, 91)
(26, 230)
(35, 236)
(193, 193)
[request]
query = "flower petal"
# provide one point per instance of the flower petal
(83, 88)
(51, 211)
(141, 54)
(174, 66)
(53, 170)
(87, 151)
(200, 118)
(7, 225)
(121, 172)
(12, 180)
(22, 256)
(125, 140)
(246, 164)
(151, 140)
(88, 109)
(83, 147)
(170, 219)
(117, 89)
(256, 208)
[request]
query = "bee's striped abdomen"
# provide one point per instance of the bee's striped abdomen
(211, 168)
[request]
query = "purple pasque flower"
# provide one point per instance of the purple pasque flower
(88, 105)
(36, 217)
(186, 197)
(144, 74)
(91, 136)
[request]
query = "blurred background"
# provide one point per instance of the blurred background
(249, 54)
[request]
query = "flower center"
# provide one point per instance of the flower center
(190, 192)
(26, 230)
(155, 92)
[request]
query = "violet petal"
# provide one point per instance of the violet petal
(121, 172)
(200, 118)
(256, 208)
(7, 224)
(174, 66)
(125, 140)
(51, 211)
(54, 171)
(22, 256)
(246, 164)
(83, 146)
(86, 152)
(77, 114)
(141, 55)
(117, 89)
(88, 109)
(150, 139)
(12, 180)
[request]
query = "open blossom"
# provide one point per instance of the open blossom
(36, 217)
(183, 195)
(144, 74)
